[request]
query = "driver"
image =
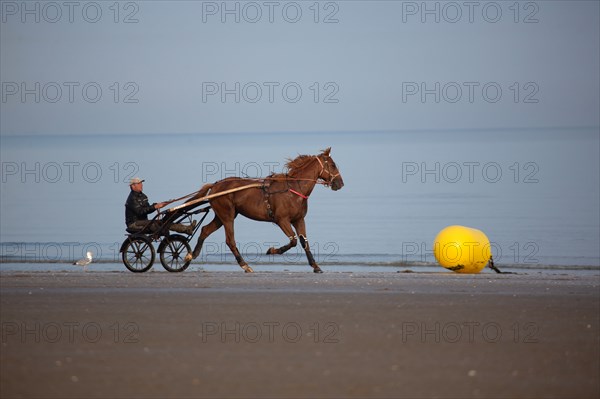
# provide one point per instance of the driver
(137, 210)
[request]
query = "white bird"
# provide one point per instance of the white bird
(84, 262)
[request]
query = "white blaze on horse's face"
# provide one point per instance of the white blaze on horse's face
(329, 171)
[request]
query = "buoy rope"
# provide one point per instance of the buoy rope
(494, 268)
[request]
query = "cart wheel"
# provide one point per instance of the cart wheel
(138, 253)
(172, 251)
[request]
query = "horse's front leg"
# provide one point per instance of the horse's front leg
(286, 227)
(301, 230)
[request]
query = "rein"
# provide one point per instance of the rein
(180, 198)
(318, 180)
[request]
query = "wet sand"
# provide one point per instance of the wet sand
(277, 335)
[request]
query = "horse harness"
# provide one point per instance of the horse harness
(267, 184)
(265, 187)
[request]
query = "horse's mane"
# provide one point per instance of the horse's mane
(298, 163)
(293, 166)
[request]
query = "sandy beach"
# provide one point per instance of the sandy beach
(278, 334)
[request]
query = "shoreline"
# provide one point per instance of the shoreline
(289, 334)
(103, 266)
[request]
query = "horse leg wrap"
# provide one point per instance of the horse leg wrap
(293, 241)
(303, 241)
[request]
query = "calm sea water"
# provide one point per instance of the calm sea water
(534, 193)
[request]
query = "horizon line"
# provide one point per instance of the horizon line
(378, 131)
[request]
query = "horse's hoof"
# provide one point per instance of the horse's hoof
(188, 257)
(271, 251)
(247, 269)
(317, 270)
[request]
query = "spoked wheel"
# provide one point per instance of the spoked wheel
(172, 251)
(138, 253)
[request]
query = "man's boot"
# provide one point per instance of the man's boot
(182, 228)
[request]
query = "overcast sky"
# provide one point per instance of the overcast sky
(193, 67)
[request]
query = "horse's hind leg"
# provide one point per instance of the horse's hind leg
(301, 230)
(207, 230)
(286, 227)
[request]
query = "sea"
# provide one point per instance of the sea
(535, 193)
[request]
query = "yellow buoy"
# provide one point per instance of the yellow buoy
(462, 249)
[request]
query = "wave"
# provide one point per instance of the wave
(345, 261)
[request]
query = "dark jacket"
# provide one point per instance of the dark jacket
(137, 207)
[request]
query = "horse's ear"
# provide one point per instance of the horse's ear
(327, 151)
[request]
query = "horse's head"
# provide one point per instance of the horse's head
(329, 171)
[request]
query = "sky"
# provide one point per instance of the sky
(167, 89)
(156, 67)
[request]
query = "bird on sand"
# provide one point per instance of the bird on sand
(85, 261)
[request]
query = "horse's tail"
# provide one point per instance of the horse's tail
(202, 192)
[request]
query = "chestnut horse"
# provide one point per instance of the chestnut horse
(281, 199)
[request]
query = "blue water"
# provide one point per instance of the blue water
(534, 193)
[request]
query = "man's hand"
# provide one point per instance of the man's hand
(159, 205)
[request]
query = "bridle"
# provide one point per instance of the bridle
(328, 181)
